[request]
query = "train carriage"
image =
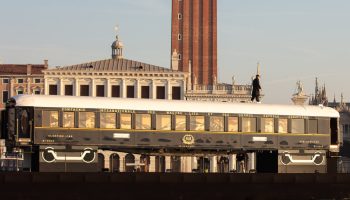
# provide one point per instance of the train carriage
(59, 131)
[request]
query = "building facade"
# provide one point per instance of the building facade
(21, 79)
(116, 77)
(220, 92)
(194, 38)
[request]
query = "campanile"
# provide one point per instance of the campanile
(194, 38)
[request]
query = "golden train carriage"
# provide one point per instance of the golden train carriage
(296, 138)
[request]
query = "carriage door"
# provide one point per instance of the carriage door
(24, 124)
(332, 160)
(334, 131)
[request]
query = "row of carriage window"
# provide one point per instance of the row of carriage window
(166, 122)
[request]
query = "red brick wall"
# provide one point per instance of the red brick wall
(15, 71)
(199, 37)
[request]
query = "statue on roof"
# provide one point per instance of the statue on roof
(299, 98)
(300, 88)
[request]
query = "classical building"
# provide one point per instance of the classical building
(116, 77)
(194, 38)
(21, 79)
(128, 162)
(220, 92)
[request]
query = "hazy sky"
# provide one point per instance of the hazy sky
(293, 40)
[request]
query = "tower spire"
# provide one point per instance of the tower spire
(316, 87)
(342, 99)
(258, 69)
(117, 46)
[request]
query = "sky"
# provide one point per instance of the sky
(292, 40)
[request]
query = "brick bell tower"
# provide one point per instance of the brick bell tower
(194, 39)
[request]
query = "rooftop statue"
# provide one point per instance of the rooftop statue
(299, 98)
(300, 89)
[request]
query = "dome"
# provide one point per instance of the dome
(117, 43)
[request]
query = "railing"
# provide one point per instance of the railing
(221, 89)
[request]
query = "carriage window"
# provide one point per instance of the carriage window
(125, 121)
(68, 119)
(298, 126)
(143, 122)
(197, 123)
(107, 120)
(180, 122)
(233, 124)
(163, 122)
(313, 126)
(217, 123)
(283, 125)
(324, 126)
(249, 124)
(267, 125)
(86, 120)
(50, 119)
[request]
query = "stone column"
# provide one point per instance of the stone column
(46, 85)
(108, 87)
(168, 90)
(61, 87)
(183, 90)
(107, 155)
(154, 90)
(122, 161)
(194, 163)
(93, 88)
(167, 163)
(251, 161)
(232, 163)
(76, 87)
(213, 164)
(152, 164)
(123, 87)
(138, 89)
(186, 164)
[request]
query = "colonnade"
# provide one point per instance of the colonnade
(128, 162)
(107, 83)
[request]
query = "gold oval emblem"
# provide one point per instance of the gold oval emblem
(188, 139)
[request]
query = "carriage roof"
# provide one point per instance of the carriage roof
(173, 105)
